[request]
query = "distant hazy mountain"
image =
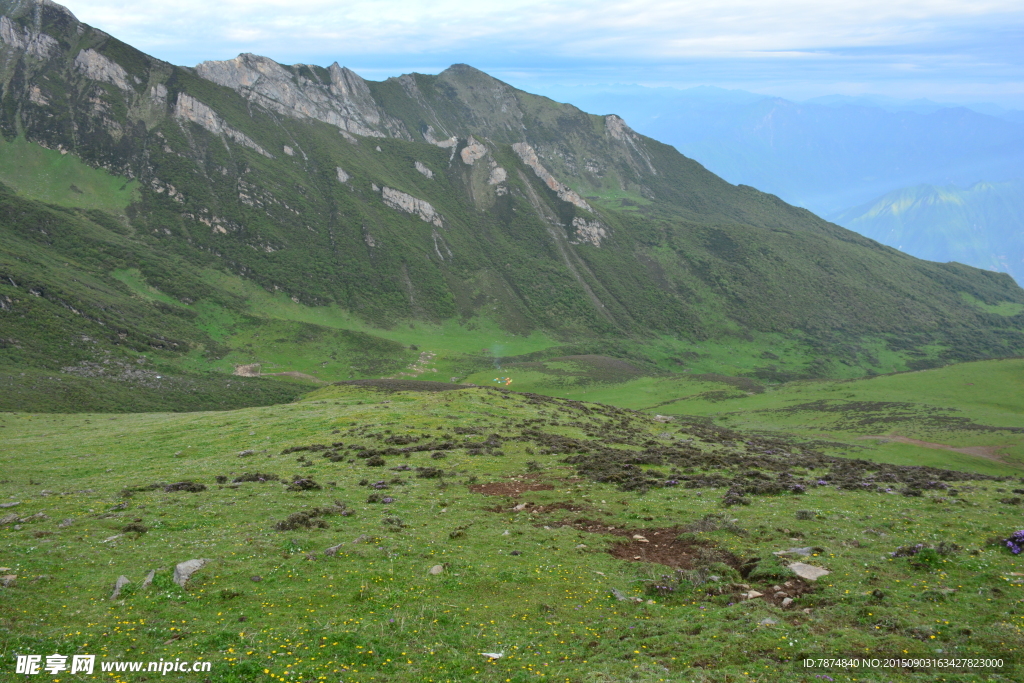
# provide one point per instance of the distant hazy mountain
(982, 226)
(825, 155)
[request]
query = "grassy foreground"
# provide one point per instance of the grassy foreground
(537, 559)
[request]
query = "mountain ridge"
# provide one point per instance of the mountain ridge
(430, 199)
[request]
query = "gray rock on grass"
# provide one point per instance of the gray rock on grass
(148, 581)
(10, 505)
(808, 571)
(122, 581)
(184, 570)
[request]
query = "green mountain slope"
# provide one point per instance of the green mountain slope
(982, 225)
(242, 197)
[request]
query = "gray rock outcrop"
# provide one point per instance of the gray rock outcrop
(37, 44)
(189, 108)
(341, 99)
(92, 64)
(409, 204)
(530, 158)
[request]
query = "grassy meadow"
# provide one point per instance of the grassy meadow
(581, 542)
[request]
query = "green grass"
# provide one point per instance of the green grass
(1006, 309)
(62, 179)
(373, 612)
(968, 405)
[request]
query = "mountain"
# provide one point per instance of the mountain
(982, 225)
(184, 220)
(827, 154)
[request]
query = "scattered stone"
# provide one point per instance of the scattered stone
(363, 538)
(581, 546)
(122, 581)
(9, 519)
(246, 453)
(66, 523)
(148, 581)
(807, 610)
(255, 579)
(804, 552)
(641, 539)
(38, 517)
(10, 505)
(521, 506)
(753, 594)
(184, 570)
(333, 550)
(112, 538)
(8, 580)
(436, 569)
(787, 602)
(808, 571)
(768, 621)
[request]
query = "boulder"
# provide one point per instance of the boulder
(122, 581)
(148, 581)
(436, 569)
(184, 570)
(808, 571)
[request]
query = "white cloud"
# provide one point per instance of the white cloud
(864, 39)
(623, 28)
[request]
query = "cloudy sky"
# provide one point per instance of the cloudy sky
(946, 50)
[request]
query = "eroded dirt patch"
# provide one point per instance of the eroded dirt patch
(533, 508)
(511, 489)
(663, 546)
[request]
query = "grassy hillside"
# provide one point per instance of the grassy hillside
(229, 228)
(965, 416)
(980, 225)
(531, 514)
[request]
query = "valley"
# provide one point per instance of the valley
(317, 378)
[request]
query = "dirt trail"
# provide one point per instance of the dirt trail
(987, 452)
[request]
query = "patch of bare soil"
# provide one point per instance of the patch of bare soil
(533, 508)
(509, 488)
(987, 452)
(663, 546)
(251, 370)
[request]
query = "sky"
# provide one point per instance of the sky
(960, 51)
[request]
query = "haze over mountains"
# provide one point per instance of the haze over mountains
(185, 220)
(836, 153)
